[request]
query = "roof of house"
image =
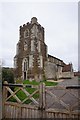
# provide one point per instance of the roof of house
(54, 57)
(77, 73)
(67, 68)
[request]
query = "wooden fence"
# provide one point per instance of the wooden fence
(53, 102)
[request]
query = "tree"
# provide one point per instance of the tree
(8, 75)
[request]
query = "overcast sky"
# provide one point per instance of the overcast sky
(60, 20)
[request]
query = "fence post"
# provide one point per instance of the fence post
(40, 95)
(4, 96)
(42, 99)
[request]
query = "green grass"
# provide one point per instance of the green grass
(50, 83)
(21, 95)
(30, 82)
(47, 83)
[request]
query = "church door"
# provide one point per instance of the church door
(24, 75)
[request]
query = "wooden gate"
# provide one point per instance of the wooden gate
(52, 102)
(63, 102)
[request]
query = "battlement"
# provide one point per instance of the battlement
(33, 21)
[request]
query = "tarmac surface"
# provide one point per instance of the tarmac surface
(69, 82)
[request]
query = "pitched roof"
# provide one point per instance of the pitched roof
(77, 73)
(55, 57)
(67, 68)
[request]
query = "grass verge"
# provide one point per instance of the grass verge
(47, 83)
(21, 95)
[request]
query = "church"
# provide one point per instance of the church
(32, 60)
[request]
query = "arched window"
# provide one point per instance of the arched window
(25, 64)
(24, 68)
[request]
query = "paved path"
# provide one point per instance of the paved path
(67, 82)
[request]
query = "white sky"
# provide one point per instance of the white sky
(60, 20)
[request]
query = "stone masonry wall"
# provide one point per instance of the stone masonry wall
(50, 70)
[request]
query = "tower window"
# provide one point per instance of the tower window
(25, 65)
(26, 33)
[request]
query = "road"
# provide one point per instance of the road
(69, 82)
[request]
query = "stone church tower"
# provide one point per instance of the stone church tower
(32, 60)
(31, 52)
